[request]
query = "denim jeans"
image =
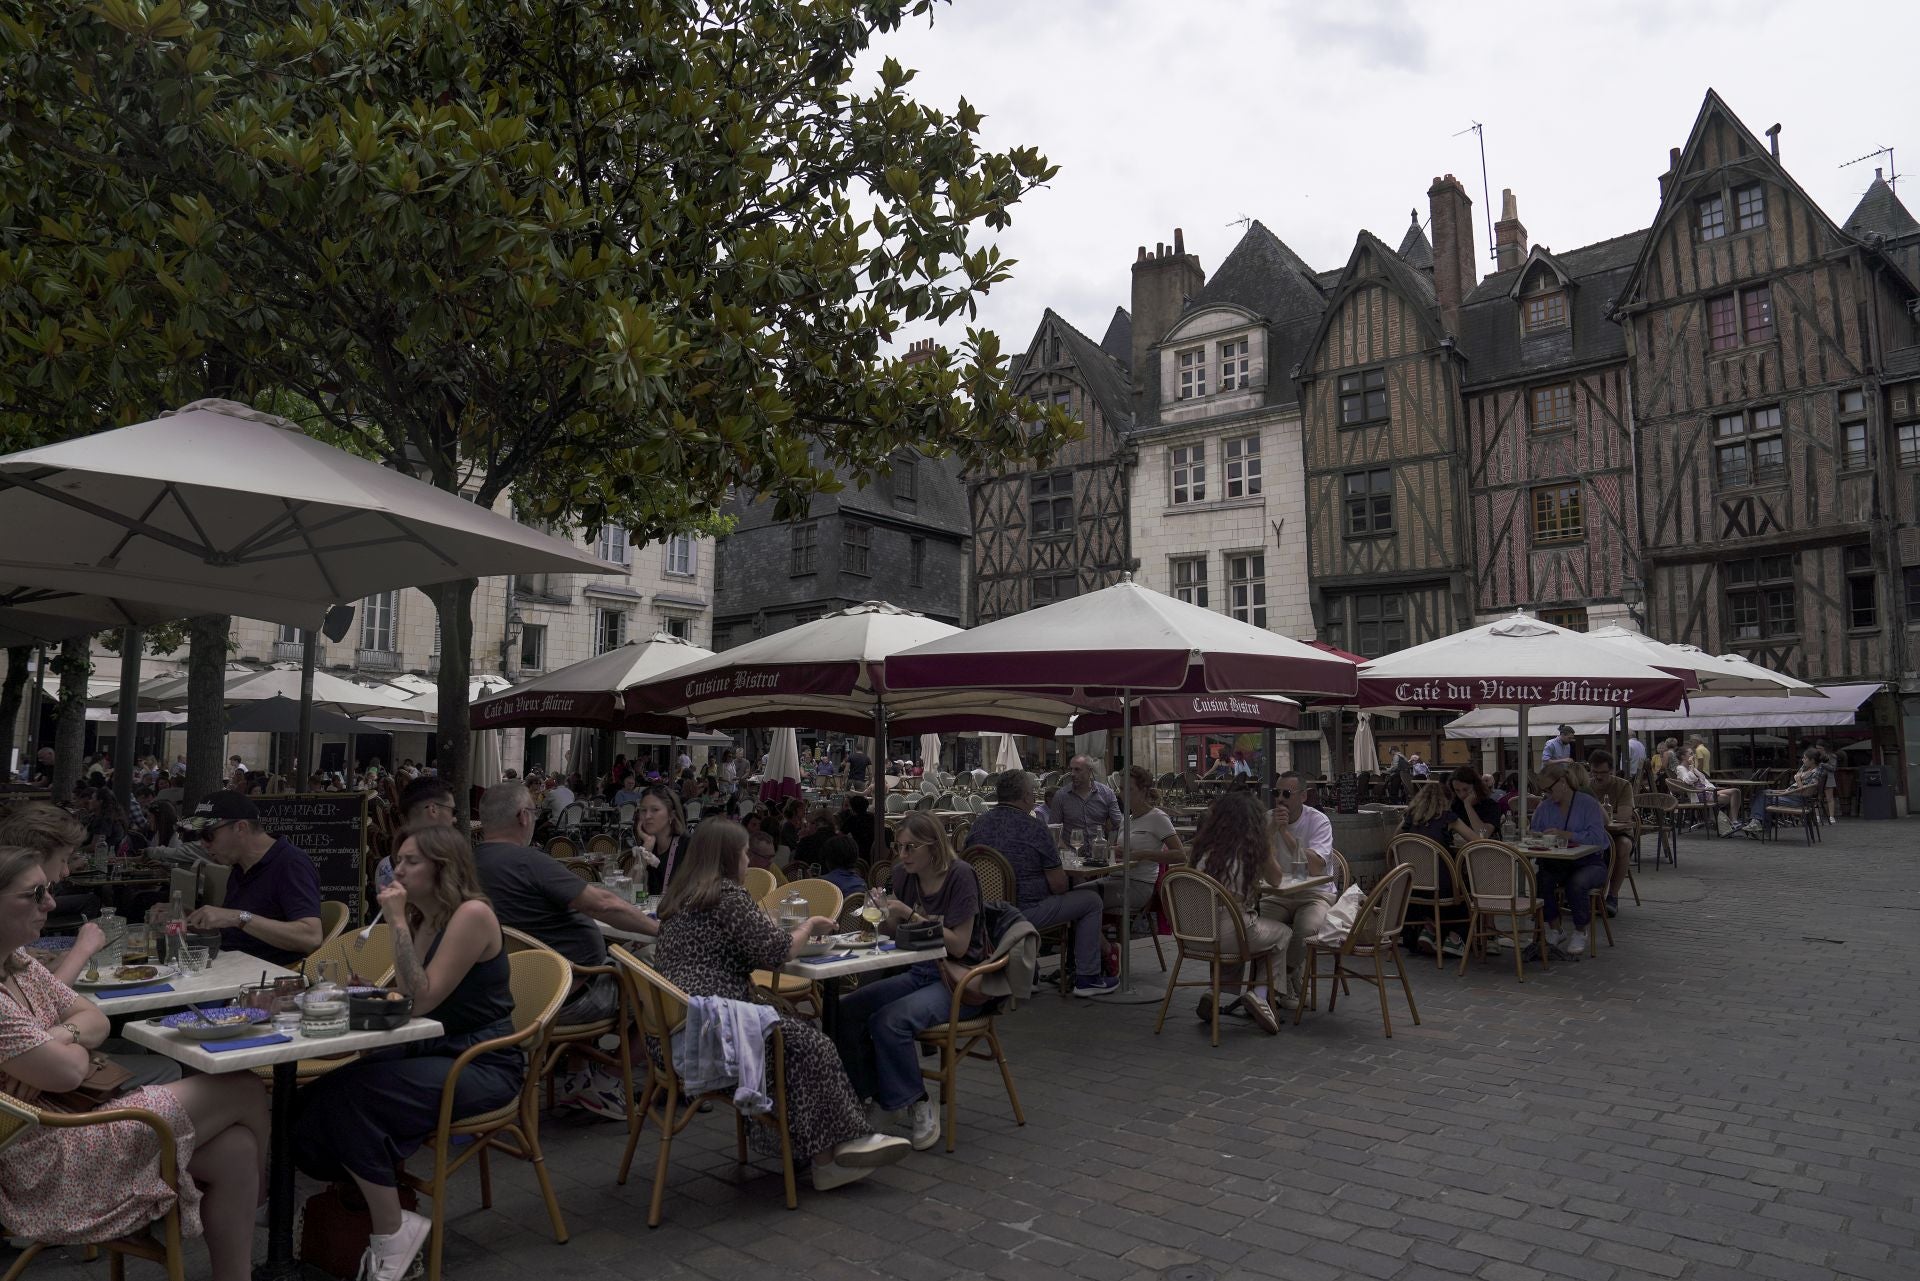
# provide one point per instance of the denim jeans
(1579, 882)
(1082, 908)
(876, 1030)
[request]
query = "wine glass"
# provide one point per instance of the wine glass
(874, 910)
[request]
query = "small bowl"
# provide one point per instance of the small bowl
(814, 947)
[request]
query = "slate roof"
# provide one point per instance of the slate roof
(1265, 277)
(1415, 249)
(940, 500)
(1490, 336)
(1880, 213)
(1105, 378)
(1118, 340)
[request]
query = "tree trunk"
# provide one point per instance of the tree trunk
(206, 705)
(127, 732)
(455, 602)
(13, 692)
(74, 665)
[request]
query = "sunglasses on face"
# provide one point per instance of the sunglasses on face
(906, 846)
(1286, 796)
(39, 893)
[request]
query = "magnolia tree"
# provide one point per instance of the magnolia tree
(611, 256)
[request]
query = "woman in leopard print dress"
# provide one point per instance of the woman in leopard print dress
(712, 937)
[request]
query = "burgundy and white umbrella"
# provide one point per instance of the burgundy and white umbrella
(1199, 713)
(1520, 662)
(589, 693)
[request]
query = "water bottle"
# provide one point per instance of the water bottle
(175, 950)
(793, 911)
(114, 927)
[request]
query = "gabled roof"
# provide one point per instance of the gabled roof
(1490, 317)
(1415, 286)
(1880, 213)
(1415, 249)
(1543, 257)
(1105, 378)
(1118, 340)
(1263, 276)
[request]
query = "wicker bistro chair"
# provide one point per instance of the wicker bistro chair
(997, 884)
(1426, 858)
(584, 870)
(1195, 903)
(1597, 899)
(18, 1119)
(371, 961)
(1500, 886)
(563, 848)
(823, 899)
(958, 1040)
(880, 873)
(540, 980)
(1791, 809)
(603, 843)
(662, 1010)
(582, 1040)
(760, 882)
(333, 919)
(1659, 811)
(1375, 936)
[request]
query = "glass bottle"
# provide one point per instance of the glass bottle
(114, 927)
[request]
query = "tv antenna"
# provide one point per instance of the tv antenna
(1244, 221)
(1893, 170)
(1479, 131)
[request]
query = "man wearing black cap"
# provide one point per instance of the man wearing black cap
(273, 896)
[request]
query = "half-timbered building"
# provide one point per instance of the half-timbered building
(1759, 334)
(1046, 534)
(1549, 430)
(1379, 381)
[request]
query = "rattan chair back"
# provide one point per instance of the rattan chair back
(370, 961)
(995, 873)
(760, 882)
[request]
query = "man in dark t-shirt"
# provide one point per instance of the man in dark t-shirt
(272, 909)
(857, 767)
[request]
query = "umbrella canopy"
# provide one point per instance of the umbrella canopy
(1122, 638)
(1204, 713)
(783, 766)
(45, 614)
(249, 685)
(930, 753)
(1521, 661)
(1366, 757)
(1006, 755)
(830, 674)
(219, 508)
(278, 714)
(589, 692)
(485, 767)
(1707, 675)
(1835, 705)
(420, 698)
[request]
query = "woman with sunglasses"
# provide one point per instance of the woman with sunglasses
(879, 1021)
(69, 1186)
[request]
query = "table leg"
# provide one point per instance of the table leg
(830, 1007)
(280, 1264)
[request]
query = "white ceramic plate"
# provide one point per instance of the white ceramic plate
(856, 940)
(162, 973)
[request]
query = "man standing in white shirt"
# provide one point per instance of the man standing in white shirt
(1558, 748)
(1304, 832)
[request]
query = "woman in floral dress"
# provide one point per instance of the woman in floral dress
(93, 1184)
(713, 936)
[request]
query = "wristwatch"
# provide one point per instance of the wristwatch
(246, 919)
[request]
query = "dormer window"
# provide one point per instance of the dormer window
(1233, 364)
(1750, 207)
(1544, 311)
(1193, 373)
(1710, 217)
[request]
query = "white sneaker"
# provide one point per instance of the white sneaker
(925, 1119)
(871, 1151)
(835, 1174)
(388, 1257)
(1576, 944)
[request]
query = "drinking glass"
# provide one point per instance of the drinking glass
(138, 949)
(198, 958)
(286, 1015)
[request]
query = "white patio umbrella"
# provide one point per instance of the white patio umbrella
(1366, 757)
(930, 753)
(589, 692)
(330, 692)
(1120, 643)
(1520, 662)
(485, 769)
(783, 766)
(1006, 755)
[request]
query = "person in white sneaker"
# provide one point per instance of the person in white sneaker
(713, 936)
(1568, 810)
(1232, 847)
(1300, 832)
(367, 1118)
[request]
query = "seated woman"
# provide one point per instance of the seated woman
(55, 836)
(1232, 847)
(842, 859)
(86, 1185)
(1693, 785)
(1152, 838)
(1567, 809)
(713, 936)
(1476, 810)
(659, 837)
(367, 1118)
(1450, 814)
(1805, 789)
(878, 1022)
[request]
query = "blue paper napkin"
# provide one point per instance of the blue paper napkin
(115, 994)
(244, 1043)
(825, 960)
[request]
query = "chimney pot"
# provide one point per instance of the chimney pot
(1159, 249)
(1179, 241)
(1673, 157)
(1142, 255)
(1878, 173)
(1509, 237)
(1773, 140)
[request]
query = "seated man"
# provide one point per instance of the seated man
(1615, 795)
(1040, 886)
(534, 892)
(1304, 833)
(1804, 790)
(273, 895)
(426, 800)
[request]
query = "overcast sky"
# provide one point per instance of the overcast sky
(1319, 117)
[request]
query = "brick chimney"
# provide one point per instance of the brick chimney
(917, 352)
(1162, 283)
(1673, 167)
(1454, 269)
(1509, 237)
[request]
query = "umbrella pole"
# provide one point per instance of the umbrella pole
(876, 771)
(1526, 747)
(1125, 991)
(128, 722)
(303, 737)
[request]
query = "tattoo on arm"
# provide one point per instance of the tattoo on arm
(413, 975)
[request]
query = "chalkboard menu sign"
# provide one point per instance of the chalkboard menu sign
(1347, 798)
(332, 828)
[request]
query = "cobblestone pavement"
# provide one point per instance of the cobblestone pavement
(1729, 1093)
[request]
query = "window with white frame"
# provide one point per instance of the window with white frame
(1247, 587)
(1234, 365)
(1193, 372)
(1363, 397)
(680, 555)
(678, 626)
(1240, 461)
(377, 622)
(290, 635)
(533, 647)
(1748, 448)
(609, 629)
(1190, 580)
(612, 545)
(1187, 472)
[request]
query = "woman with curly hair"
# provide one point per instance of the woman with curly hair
(1232, 847)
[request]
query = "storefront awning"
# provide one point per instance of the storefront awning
(1840, 706)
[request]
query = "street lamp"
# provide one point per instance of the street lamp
(1632, 594)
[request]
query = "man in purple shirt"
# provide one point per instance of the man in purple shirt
(1084, 803)
(1040, 886)
(273, 894)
